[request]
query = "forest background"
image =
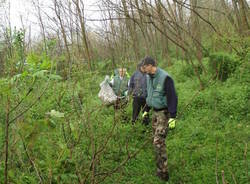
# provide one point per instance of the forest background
(54, 128)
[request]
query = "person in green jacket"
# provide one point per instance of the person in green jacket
(162, 98)
(119, 84)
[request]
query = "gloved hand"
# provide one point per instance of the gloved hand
(144, 114)
(171, 123)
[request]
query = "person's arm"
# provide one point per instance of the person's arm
(172, 99)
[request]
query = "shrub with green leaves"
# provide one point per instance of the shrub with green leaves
(223, 64)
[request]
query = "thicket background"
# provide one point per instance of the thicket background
(54, 129)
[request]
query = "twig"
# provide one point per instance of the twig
(27, 94)
(106, 174)
(29, 158)
(32, 104)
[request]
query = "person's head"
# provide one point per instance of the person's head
(140, 67)
(122, 72)
(149, 65)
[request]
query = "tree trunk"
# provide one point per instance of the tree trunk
(149, 29)
(229, 15)
(243, 14)
(143, 27)
(84, 35)
(236, 10)
(164, 40)
(196, 30)
(58, 14)
(131, 29)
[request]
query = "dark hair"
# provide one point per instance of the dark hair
(139, 65)
(148, 61)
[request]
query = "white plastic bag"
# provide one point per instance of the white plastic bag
(106, 94)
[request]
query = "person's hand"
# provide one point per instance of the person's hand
(171, 123)
(144, 114)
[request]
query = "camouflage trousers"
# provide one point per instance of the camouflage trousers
(160, 128)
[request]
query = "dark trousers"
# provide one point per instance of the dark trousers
(120, 103)
(139, 104)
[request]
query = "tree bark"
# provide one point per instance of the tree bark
(41, 24)
(229, 15)
(130, 28)
(84, 35)
(236, 11)
(243, 14)
(196, 30)
(58, 14)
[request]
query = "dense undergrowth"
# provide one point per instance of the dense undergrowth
(211, 137)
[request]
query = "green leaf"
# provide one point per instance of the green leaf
(40, 74)
(57, 114)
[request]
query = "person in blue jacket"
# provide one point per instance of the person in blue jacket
(138, 90)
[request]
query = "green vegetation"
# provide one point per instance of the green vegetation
(212, 133)
(55, 129)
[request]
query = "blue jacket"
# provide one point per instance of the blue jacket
(138, 84)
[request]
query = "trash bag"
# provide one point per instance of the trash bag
(106, 94)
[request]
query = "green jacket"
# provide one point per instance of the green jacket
(120, 86)
(155, 88)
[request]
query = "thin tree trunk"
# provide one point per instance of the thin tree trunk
(37, 5)
(149, 28)
(229, 15)
(130, 28)
(236, 10)
(134, 32)
(78, 34)
(196, 29)
(58, 14)
(143, 27)
(243, 14)
(114, 40)
(164, 40)
(181, 19)
(84, 35)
